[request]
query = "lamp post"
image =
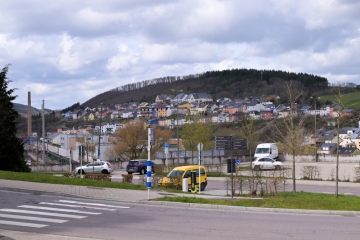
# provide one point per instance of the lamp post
(315, 98)
(100, 131)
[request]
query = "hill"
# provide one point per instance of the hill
(235, 83)
(23, 110)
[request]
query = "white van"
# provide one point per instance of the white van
(269, 150)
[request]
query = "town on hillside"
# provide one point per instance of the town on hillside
(172, 111)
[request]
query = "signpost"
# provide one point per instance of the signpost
(200, 147)
(228, 143)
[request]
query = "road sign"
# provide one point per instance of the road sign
(237, 162)
(223, 142)
(240, 143)
(200, 147)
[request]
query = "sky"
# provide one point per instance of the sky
(69, 51)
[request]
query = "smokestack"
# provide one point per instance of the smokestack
(29, 128)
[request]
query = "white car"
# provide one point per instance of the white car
(95, 167)
(266, 163)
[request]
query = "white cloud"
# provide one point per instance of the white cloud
(70, 51)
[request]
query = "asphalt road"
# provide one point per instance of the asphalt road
(218, 184)
(113, 220)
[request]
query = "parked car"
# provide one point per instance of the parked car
(176, 176)
(96, 167)
(139, 166)
(266, 163)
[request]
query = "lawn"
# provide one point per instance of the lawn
(351, 100)
(288, 200)
(58, 179)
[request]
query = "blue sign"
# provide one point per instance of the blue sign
(237, 162)
(166, 144)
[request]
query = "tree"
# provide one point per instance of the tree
(132, 140)
(192, 134)
(340, 106)
(290, 130)
(11, 147)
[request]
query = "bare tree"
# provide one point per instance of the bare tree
(130, 140)
(340, 106)
(290, 130)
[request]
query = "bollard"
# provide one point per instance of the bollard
(185, 185)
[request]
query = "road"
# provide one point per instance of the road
(218, 185)
(113, 220)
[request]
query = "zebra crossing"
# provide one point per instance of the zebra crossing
(45, 213)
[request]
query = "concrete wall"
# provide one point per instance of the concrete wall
(52, 168)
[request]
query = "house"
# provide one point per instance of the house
(128, 114)
(346, 136)
(89, 116)
(200, 98)
(254, 114)
(163, 111)
(163, 98)
(325, 136)
(76, 114)
(266, 114)
(327, 148)
(348, 151)
(254, 106)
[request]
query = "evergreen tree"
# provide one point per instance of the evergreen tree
(11, 147)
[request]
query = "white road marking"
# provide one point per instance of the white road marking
(22, 224)
(59, 209)
(42, 213)
(33, 218)
(77, 206)
(92, 204)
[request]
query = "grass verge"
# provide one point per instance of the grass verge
(288, 200)
(50, 178)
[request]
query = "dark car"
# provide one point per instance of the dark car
(138, 166)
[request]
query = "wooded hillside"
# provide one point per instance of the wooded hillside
(235, 83)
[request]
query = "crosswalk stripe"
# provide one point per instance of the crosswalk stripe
(59, 209)
(92, 204)
(33, 218)
(43, 213)
(34, 225)
(77, 206)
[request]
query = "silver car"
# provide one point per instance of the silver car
(266, 163)
(95, 167)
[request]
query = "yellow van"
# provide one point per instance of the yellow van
(176, 176)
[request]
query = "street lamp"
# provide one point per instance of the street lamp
(100, 131)
(315, 98)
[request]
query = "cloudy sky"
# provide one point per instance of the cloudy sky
(69, 51)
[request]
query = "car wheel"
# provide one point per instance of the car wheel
(81, 171)
(257, 168)
(129, 172)
(104, 171)
(142, 171)
(277, 167)
(202, 186)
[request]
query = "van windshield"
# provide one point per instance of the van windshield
(262, 150)
(175, 173)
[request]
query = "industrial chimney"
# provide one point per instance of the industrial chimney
(29, 128)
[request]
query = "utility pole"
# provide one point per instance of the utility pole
(43, 132)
